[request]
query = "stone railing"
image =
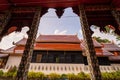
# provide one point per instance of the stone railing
(65, 68)
(57, 68)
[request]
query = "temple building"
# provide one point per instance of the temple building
(15, 14)
(62, 54)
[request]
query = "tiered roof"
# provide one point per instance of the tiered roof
(111, 47)
(3, 54)
(96, 44)
(58, 46)
(54, 42)
(65, 43)
(58, 42)
(58, 39)
(98, 48)
(9, 50)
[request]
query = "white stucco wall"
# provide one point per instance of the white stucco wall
(13, 61)
(61, 68)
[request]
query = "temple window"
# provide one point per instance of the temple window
(38, 58)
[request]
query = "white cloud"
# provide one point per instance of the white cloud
(58, 32)
(80, 31)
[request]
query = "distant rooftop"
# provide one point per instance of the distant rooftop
(66, 43)
(9, 50)
(58, 38)
(111, 47)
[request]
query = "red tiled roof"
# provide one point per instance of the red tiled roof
(96, 44)
(14, 49)
(57, 46)
(19, 49)
(48, 46)
(111, 47)
(114, 58)
(58, 38)
(63, 42)
(10, 50)
(106, 53)
(100, 52)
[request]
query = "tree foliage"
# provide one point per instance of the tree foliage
(101, 40)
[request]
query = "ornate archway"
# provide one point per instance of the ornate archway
(90, 12)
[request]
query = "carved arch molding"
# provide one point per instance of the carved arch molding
(101, 15)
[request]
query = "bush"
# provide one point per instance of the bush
(11, 72)
(63, 76)
(1, 73)
(54, 76)
(71, 76)
(83, 76)
(14, 69)
(111, 75)
(31, 74)
(117, 75)
(39, 75)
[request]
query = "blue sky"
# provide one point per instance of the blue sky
(68, 24)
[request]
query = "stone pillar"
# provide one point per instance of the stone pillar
(91, 55)
(27, 55)
(4, 20)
